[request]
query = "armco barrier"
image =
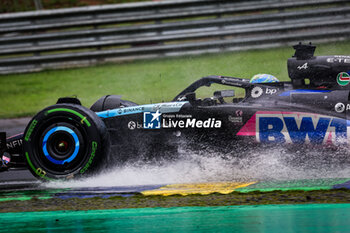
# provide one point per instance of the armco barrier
(48, 39)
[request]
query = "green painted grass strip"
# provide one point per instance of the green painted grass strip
(24, 198)
(306, 185)
(266, 218)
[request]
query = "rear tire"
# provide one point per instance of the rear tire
(65, 141)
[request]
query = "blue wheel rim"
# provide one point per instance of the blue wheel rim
(76, 142)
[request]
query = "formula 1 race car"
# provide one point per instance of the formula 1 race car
(67, 140)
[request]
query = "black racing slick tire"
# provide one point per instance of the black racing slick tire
(65, 141)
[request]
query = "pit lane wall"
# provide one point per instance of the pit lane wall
(83, 36)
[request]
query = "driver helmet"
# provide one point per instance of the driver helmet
(263, 78)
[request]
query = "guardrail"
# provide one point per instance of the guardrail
(33, 41)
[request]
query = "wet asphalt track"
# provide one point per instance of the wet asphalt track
(22, 185)
(21, 182)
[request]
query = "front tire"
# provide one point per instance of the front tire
(65, 141)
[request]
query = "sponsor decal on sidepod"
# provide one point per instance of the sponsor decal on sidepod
(153, 120)
(294, 127)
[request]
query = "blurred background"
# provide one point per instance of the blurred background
(148, 51)
(8, 6)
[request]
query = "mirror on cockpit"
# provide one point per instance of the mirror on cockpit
(220, 95)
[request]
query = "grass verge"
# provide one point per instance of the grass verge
(140, 81)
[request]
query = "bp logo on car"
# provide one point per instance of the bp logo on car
(343, 79)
